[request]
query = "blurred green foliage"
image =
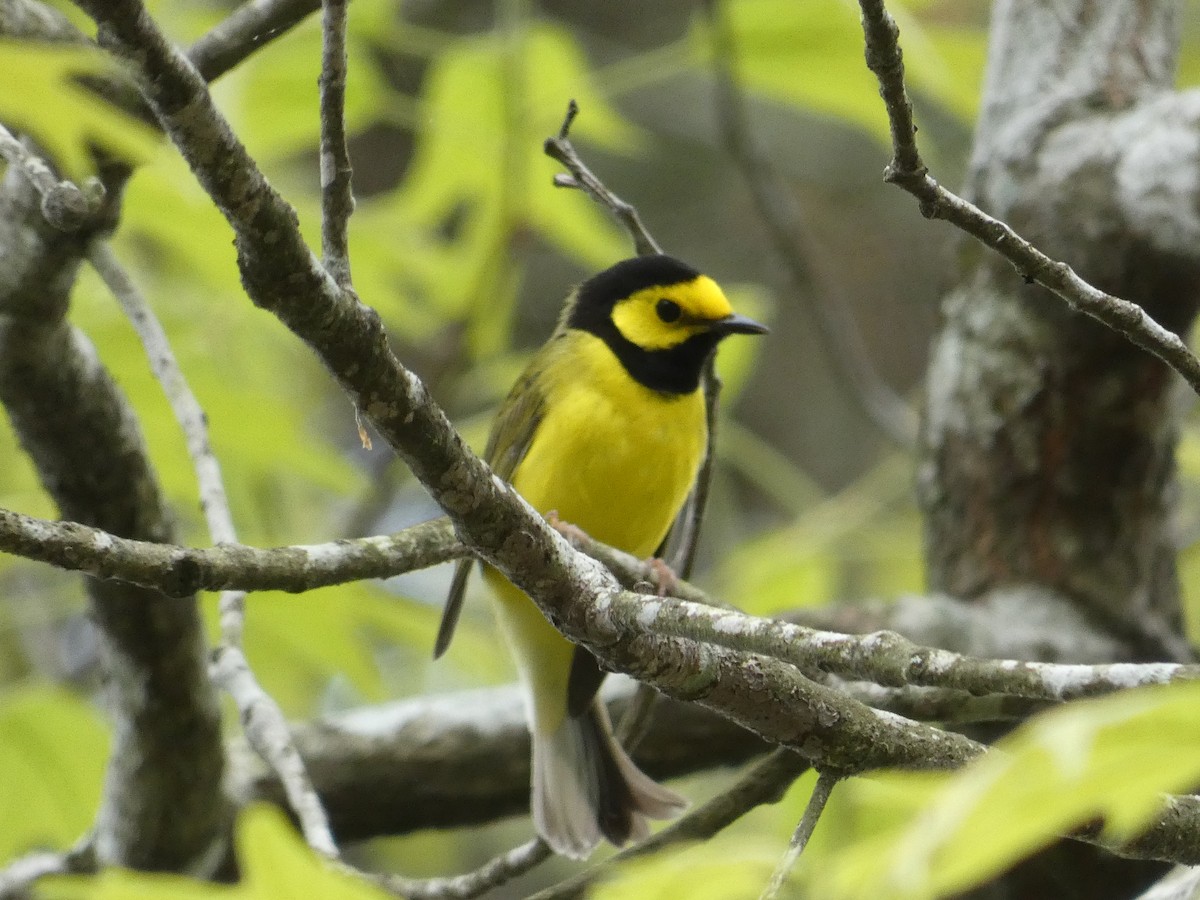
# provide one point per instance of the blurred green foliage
(444, 253)
(275, 864)
(943, 833)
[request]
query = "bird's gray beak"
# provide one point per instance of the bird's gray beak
(738, 324)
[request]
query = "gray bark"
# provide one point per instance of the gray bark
(162, 806)
(1048, 440)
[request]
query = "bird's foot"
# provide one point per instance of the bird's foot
(572, 533)
(664, 576)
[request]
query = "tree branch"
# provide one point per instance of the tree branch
(179, 571)
(267, 730)
(337, 198)
(18, 876)
(907, 170)
(461, 759)
(808, 823)
(246, 30)
(64, 205)
(160, 810)
(581, 178)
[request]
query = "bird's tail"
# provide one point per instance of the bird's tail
(585, 786)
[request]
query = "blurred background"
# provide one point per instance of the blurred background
(463, 244)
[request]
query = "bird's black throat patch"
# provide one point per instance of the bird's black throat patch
(674, 370)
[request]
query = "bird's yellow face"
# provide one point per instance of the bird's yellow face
(663, 316)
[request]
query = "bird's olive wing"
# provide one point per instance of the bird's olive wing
(518, 419)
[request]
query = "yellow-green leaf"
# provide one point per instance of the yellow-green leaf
(1111, 758)
(53, 749)
(43, 98)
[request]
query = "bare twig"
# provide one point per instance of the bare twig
(263, 721)
(337, 197)
(812, 813)
(493, 873)
(17, 877)
(247, 29)
(178, 571)
(766, 782)
(184, 404)
(688, 541)
(907, 170)
(581, 178)
(789, 231)
(885, 657)
(65, 205)
(266, 728)
(944, 705)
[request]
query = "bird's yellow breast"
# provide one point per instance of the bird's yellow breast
(611, 456)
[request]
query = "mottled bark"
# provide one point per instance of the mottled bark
(162, 806)
(1048, 440)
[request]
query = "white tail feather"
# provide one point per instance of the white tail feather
(586, 787)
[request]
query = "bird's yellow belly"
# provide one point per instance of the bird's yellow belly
(616, 463)
(613, 458)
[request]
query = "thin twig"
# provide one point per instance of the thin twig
(337, 197)
(688, 542)
(808, 822)
(65, 205)
(786, 225)
(265, 726)
(246, 30)
(266, 729)
(180, 571)
(184, 405)
(766, 782)
(495, 872)
(581, 178)
(907, 170)
(17, 877)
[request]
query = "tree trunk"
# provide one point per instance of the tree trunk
(1048, 441)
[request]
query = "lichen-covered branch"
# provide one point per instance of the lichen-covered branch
(462, 759)
(907, 170)
(161, 809)
(178, 571)
(337, 197)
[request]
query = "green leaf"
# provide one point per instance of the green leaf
(740, 868)
(272, 98)
(42, 97)
(53, 749)
(478, 180)
(811, 54)
(275, 865)
(1112, 758)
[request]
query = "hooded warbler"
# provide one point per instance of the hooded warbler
(607, 427)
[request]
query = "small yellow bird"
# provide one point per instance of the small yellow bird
(607, 427)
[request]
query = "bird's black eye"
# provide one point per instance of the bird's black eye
(668, 310)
